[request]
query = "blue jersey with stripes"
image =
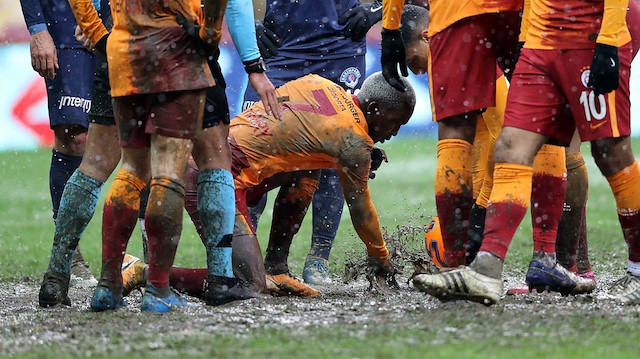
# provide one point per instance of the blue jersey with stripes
(309, 29)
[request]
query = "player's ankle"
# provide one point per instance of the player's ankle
(488, 264)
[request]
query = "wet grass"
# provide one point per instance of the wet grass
(403, 194)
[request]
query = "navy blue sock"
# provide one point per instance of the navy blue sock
(328, 202)
(62, 167)
(78, 203)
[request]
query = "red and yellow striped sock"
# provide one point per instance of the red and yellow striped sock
(454, 197)
(547, 196)
(508, 204)
(118, 221)
(626, 189)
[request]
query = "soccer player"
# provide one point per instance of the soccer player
(466, 40)
(322, 127)
(68, 72)
(325, 38)
(581, 59)
(103, 150)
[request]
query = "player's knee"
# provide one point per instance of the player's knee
(70, 139)
(612, 154)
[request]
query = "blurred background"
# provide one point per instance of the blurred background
(24, 123)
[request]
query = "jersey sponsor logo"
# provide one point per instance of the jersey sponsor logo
(350, 76)
(72, 101)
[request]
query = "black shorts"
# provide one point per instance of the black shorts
(101, 111)
(216, 108)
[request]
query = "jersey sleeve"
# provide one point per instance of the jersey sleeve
(524, 24)
(392, 14)
(88, 19)
(33, 17)
(613, 22)
(353, 169)
(242, 28)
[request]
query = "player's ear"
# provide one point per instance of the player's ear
(425, 34)
(373, 108)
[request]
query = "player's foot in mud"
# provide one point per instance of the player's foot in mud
(286, 284)
(316, 271)
(541, 277)
(161, 300)
(81, 276)
(222, 290)
(461, 283)
(625, 290)
(54, 290)
(133, 274)
(106, 298)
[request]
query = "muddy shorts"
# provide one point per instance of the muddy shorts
(69, 92)
(546, 81)
(462, 62)
(101, 107)
(171, 114)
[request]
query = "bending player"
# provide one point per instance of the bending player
(603, 120)
(322, 127)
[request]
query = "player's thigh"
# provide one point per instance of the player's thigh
(462, 69)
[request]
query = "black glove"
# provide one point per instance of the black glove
(268, 41)
(101, 45)
(360, 19)
(604, 76)
(194, 32)
(377, 157)
(393, 54)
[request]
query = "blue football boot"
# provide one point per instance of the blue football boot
(104, 298)
(556, 279)
(154, 300)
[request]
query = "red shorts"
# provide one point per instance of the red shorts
(546, 81)
(462, 62)
(171, 114)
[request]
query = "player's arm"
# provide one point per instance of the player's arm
(243, 34)
(605, 68)
(353, 169)
(393, 52)
(44, 58)
(360, 18)
(89, 21)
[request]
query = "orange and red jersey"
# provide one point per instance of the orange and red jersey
(148, 52)
(575, 24)
(88, 19)
(322, 126)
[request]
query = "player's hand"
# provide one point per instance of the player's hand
(360, 19)
(81, 38)
(268, 41)
(44, 57)
(267, 92)
(393, 55)
(377, 156)
(382, 274)
(604, 74)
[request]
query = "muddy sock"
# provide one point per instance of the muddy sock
(479, 155)
(216, 209)
(546, 258)
(572, 229)
(118, 221)
(454, 197)
(582, 261)
(488, 264)
(509, 201)
(77, 205)
(328, 203)
(547, 197)
(189, 280)
(626, 189)
(62, 167)
(163, 220)
(476, 231)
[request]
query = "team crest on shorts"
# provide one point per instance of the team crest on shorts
(350, 76)
(584, 77)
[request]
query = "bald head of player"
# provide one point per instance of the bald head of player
(415, 22)
(385, 108)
